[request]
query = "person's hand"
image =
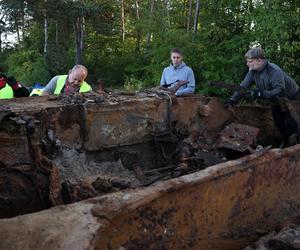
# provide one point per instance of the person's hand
(181, 83)
(229, 103)
(255, 93)
(178, 85)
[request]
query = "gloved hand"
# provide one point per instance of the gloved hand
(229, 103)
(255, 93)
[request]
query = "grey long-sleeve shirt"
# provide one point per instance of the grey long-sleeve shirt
(271, 81)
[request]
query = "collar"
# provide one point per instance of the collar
(70, 90)
(179, 66)
(263, 66)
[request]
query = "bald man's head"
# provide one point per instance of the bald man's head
(77, 75)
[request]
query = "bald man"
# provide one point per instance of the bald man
(68, 84)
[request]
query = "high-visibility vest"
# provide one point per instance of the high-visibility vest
(36, 92)
(85, 87)
(6, 92)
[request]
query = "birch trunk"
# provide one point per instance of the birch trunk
(196, 18)
(56, 33)
(2, 29)
(166, 2)
(45, 30)
(123, 20)
(18, 32)
(138, 33)
(150, 21)
(188, 26)
(22, 26)
(79, 28)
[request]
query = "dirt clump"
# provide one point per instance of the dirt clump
(287, 239)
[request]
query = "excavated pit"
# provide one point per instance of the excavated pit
(61, 150)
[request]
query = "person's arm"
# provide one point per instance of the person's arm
(163, 79)
(246, 83)
(18, 89)
(178, 85)
(190, 86)
(50, 87)
(278, 85)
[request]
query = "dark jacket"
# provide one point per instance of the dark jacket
(19, 90)
(271, 81)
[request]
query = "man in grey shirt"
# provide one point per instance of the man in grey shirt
(68, 84)
(270, 82)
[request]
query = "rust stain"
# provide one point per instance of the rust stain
(220, 207)
(223, 212)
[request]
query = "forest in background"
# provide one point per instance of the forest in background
(127, 42)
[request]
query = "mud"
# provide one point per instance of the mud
(287, 239)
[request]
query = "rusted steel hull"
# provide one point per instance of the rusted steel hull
(226, 206)
(47, 140)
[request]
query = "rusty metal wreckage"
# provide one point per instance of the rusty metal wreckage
(142, 171)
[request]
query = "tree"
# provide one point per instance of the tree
(122, 20)
(279, 36)
(196, 18)
(189, 18)
(151, 3)
(45, 30)
(129, 41)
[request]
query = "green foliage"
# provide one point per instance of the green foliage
(276, 28)
(148, 67)
(27, 66)
(226, 29)
(132, 84)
